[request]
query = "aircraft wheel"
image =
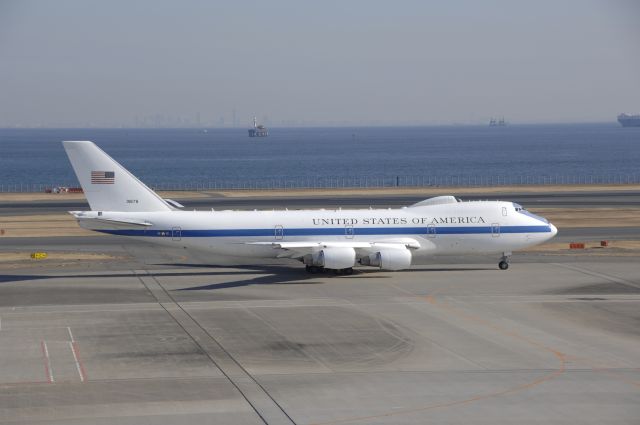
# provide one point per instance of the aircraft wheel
(348, 271)
(503, 265)
(337, 272)
(314, 269)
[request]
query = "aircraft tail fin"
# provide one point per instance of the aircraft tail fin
(107, 185)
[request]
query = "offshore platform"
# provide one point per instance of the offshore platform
(258, 130)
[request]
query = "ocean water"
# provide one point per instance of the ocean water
(333, 156)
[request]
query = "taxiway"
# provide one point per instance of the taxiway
(154, 336)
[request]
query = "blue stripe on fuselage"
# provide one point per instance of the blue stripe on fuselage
(331, 231)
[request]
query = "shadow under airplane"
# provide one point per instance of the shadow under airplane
(268, 275)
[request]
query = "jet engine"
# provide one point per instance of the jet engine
(389, 259)
(334, 258)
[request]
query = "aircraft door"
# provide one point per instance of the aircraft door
(348, 231)
(176, 234)
(495, 230)
(431, 231)
(279, 233)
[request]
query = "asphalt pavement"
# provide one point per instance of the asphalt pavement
(155, 335)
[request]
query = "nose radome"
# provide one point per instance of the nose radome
(554, 230)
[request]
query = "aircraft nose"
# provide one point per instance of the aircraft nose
(554, 230)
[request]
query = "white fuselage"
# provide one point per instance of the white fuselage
(322, 239)
(447, 229)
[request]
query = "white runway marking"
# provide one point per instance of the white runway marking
(75, 358)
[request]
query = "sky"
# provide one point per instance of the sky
(344, 62)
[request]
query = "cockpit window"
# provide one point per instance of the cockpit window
(521, 210)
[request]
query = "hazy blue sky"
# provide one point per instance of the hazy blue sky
(73, 62)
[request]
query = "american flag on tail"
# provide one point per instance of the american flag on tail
(102, 177)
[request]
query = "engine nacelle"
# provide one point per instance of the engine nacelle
(335, 258)
(389, 259)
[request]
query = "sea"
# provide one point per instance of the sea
(189, 158)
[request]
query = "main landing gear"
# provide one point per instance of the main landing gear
(504, 261)
(314, 269)
(318, 269)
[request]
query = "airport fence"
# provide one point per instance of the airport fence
(356, 182)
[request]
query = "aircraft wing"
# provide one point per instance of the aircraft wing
(297, 249)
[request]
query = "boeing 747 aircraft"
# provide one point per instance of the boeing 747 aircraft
(338, 240)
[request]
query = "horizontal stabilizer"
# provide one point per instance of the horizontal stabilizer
(173, 203)
(89, 220)
(126, 222)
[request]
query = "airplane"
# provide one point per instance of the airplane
(323, 240)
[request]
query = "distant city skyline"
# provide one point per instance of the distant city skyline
(74, 63)
(166, 121)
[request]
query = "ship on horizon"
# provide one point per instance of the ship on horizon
(497, 123)
(258, 130)
(627, 120)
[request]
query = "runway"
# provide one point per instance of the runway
(530, 200)
(154, 336)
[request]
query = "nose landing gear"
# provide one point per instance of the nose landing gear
(504, 261)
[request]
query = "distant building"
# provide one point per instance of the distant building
(497, 123)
